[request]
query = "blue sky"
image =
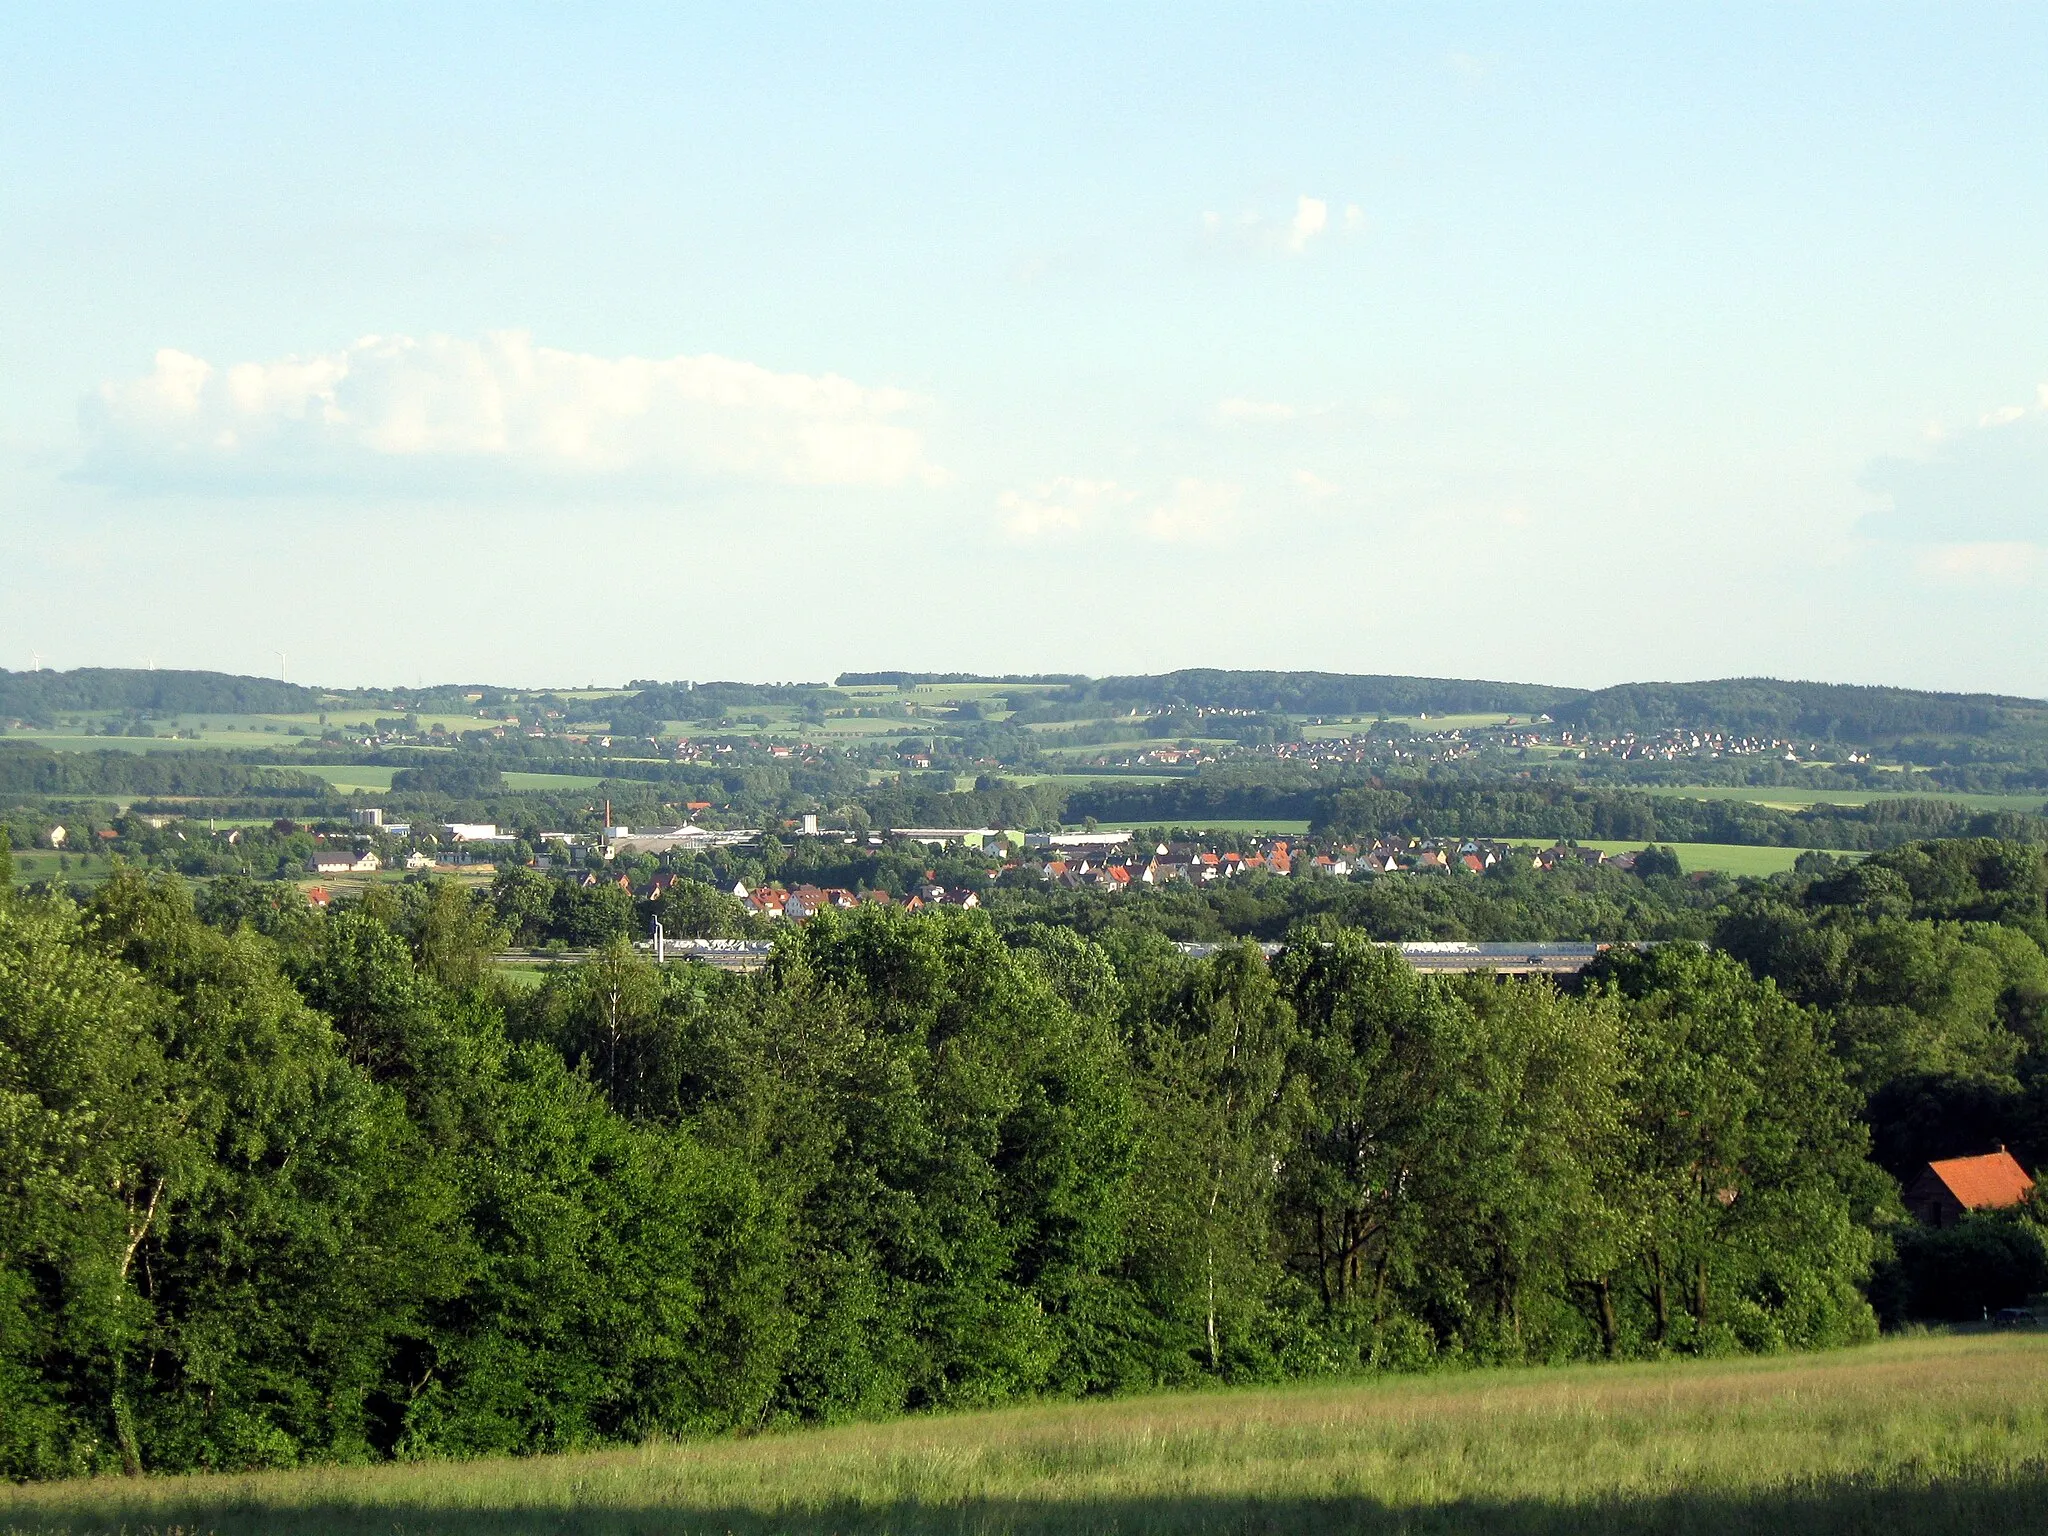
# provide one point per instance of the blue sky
(1574, 344)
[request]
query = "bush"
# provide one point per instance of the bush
(1964, 1272)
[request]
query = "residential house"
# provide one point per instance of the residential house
(1948, 1190)
(341, 861)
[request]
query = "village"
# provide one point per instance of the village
(1094, 860)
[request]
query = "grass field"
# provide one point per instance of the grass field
(1099, 776)
(1730, 858)
(1786, 798)
(351, 778)
(31, 864)
(1906, 1438)
(1333, 728)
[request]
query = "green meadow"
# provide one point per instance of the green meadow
(1333, 729)
(1729, 858)
(351, 778)
(1785, 797)
(1910, 1437)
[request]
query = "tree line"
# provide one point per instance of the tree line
(26, 769)
(294, 1186)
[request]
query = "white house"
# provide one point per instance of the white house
(341, 861)
(474, 832)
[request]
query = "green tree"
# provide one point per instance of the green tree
(1756, 1198)
(96, 1152)
(1214, 1080)
(691, 909)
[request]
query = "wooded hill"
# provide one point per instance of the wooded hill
(1850, 715)
(38, 695)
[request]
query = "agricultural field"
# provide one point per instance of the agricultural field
(546, 781)
(1333, 729)
(1097, 776)
(1785, 797)
(1119, 748)
(215, 732)
(942, 693)
(368, 779)
(1927, 1436)
(351, 778)
(1729, 858)
(32, 864)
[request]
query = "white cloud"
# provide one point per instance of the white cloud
(1311, 218)
(1974, 488)
(1998, 563)
(1271, 232)
(391, 407)
(1063, 505)
(1313, 484)
(1197, 509)
(1239, 409)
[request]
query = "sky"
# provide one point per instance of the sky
(564, 345)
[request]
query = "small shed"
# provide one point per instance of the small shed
(1948, 1190)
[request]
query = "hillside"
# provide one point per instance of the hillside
(1768, 707)
(38, 695)
(1762, 706)
(1921, 1436)
(1327, 693)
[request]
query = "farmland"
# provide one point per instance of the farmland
(1334, 729)
(1921, 1435)
(352, 778)
(1793, 798)
(1729, 858)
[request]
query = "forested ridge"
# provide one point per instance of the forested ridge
(1768, 707)
(38, 694)
(27, 769)
(285, 1185)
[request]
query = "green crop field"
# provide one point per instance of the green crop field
(350, 777)
(59, 741)
(1934, 1436)
(515, 780)
(1786, 797)
(1334, 727)
(1110, 776)
(1729, 858)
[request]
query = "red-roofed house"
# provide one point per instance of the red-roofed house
(1949, 1190)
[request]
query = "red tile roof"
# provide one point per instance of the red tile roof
(1992, 1181)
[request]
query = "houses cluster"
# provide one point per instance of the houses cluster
(804, 901)
(1476, 855)
(1672, 745)
(1167, 863)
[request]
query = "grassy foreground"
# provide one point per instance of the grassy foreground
(1926, 1435)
